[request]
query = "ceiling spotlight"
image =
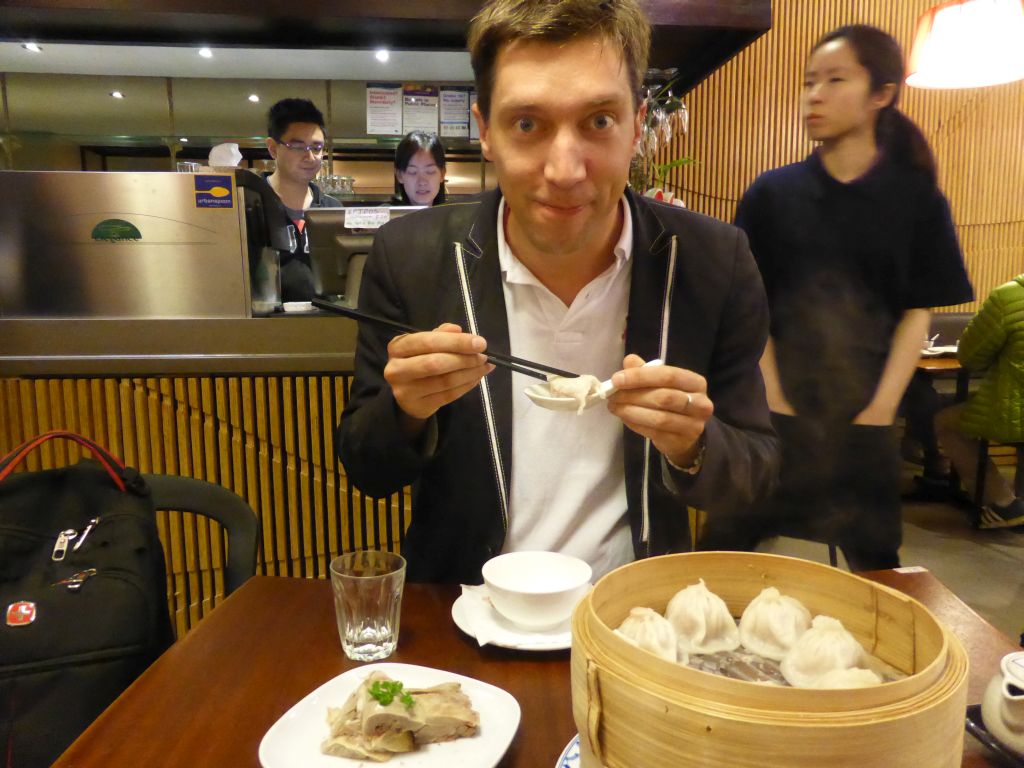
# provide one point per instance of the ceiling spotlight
(32, 47)
(254, 98)
(117, 94)
(206, 53)
(382, 55)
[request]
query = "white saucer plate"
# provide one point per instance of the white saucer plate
(294, 740)
(509, 635)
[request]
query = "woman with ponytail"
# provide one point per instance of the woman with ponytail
(855, 245)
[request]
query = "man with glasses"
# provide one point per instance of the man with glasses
(295, 139)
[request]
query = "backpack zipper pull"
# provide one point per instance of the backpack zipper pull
(81, 539)
(74, 583)
(60, 548)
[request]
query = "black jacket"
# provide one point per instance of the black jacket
(298, 282)
(696, 301)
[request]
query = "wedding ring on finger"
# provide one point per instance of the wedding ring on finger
(689, 401)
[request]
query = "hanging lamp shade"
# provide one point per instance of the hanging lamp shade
(968, 44)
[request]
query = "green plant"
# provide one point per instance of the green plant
(661, 169)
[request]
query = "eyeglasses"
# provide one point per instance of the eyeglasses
(317, 148)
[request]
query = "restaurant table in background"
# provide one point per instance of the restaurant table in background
(209, 700)
(944, 368)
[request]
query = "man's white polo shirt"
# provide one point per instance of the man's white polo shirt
(568, 491)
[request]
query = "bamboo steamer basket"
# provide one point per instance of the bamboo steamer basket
(635, 710)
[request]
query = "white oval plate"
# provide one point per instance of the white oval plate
(510, 636)
(294, 740)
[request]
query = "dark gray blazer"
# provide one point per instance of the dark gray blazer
(696, 301)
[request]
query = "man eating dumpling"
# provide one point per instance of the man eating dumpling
(563, 265)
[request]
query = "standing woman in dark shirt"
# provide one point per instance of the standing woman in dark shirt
(419, 170)
(855, 245)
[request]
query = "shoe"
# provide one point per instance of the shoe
(996, 516)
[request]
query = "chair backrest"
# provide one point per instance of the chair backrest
(188, 494)
(949, 326)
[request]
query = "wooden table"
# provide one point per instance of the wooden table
(210, 698)
(946, 367)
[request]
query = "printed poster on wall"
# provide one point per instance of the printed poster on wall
(419, 108)
(474, 129)
(455, 115)
(384, 109)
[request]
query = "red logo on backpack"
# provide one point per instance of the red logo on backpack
(21, 613)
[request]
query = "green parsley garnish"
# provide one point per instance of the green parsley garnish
(385, 692)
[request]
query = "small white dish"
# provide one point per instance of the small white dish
(939, 351)
(540, 394)
(504, 633)
(297, 306)
(294, 740)
(570, 757)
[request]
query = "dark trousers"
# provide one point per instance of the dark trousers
(839, 483)
(921, 402)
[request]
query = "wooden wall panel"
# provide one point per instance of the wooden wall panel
(745, 120)
(269, 439)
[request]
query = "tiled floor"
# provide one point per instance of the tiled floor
(984, 568)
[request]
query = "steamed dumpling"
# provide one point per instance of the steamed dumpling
(702, 621)
(855, 677)
(576, 387)
(648, 629)
(825, 647)
(772, 623)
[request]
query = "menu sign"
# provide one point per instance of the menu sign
(384, 109)
(455, 112)
(419, 108)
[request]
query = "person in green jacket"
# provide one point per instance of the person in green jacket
(993, 342)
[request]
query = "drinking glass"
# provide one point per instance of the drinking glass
(368, 602)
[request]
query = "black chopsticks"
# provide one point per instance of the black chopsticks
(517, 364)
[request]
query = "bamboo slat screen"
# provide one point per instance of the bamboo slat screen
(745, 120)
(268, 439)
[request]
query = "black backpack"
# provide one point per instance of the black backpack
(83, 596)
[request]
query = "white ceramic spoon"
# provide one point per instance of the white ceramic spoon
(540, 394)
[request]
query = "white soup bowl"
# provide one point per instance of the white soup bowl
(536, 590)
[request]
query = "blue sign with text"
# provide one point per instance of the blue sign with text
(213, 191)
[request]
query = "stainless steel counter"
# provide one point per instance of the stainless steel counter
(122, 347)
